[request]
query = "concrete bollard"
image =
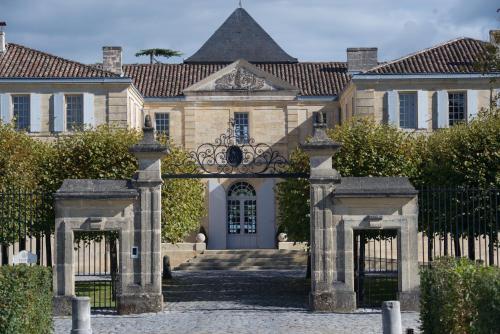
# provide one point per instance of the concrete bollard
(167, 270)
(81, 315)
(391, 317)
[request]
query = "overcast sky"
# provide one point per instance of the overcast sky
(311, 30)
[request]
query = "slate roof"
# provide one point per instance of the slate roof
(22, 62)
(455, 56)
(240, 37)
(169, 80)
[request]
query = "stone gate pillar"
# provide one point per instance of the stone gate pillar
(342, 206)
(132, 208)
(320, 150)
(146, 294)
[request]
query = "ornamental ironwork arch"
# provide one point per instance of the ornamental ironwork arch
(230, 157)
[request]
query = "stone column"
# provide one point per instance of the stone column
(320, 150)
(144, 294)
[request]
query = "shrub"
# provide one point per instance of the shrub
(103, 153)
(459, 297)
(25, 300)
(368, 149)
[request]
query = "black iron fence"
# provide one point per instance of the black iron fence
(96, 268)
(459, 222)
(26, 223)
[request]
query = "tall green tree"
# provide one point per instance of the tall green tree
(153, 53)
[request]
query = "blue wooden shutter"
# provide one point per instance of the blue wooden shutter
(88, 110)
(59, 120)
(471, 104)
(392, 107)
(5, 108)
(35, 113)
(423, 109)
(442, 106)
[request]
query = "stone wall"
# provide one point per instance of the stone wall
(368, 98)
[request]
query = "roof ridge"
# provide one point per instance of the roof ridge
(416, 53)
(63, 59)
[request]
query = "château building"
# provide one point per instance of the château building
(241, 78)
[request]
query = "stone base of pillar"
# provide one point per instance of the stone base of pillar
(335, 301)
(140, 303)
(61, 305)
(410, 300)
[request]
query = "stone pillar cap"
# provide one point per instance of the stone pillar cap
(149, 144)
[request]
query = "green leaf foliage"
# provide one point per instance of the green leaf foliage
(459, 297)
(462, 155)
(103, 153)
(25, 299)
(465, 154)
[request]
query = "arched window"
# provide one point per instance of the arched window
(241, 209)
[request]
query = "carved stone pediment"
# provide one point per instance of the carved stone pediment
(241, 79)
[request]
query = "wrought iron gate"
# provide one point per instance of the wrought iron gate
(96, 268)
(231, 157)
(375, 267)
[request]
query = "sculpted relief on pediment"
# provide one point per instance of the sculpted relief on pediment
(241, 79)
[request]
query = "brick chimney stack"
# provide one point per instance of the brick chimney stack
(112, 59)
(361, 59)
(3, 47)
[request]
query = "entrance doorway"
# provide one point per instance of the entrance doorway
(241, 216)
(375, 267)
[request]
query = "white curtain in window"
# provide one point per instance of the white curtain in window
(35, 113)
(442, 109)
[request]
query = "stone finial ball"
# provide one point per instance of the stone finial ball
(200, 237)
(282, 237)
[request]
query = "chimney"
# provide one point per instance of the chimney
(361, 59)
(3, 47)
(112, 59)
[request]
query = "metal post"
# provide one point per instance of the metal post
(391, 317)
(81, 315)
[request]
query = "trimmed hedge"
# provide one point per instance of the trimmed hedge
(459, 296)
(25, 300)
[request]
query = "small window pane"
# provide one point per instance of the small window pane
(21, 110)
(408, 110)
(162, 123)
(74, 112)
(456, 108)
(241, 127)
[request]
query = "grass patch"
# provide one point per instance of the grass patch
(100, 293)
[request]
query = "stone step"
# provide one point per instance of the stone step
(230, 257)
(254, 251)
(242, 260)
(246, 260)
(241, 267)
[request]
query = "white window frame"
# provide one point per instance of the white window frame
(415, 110)
(28, 111)
(78, 125)
(167, 130)
(453, 121)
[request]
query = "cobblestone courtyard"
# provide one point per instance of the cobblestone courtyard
(238, 302)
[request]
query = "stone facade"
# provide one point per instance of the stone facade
(368, 97)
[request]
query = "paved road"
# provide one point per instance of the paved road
(238, 302)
